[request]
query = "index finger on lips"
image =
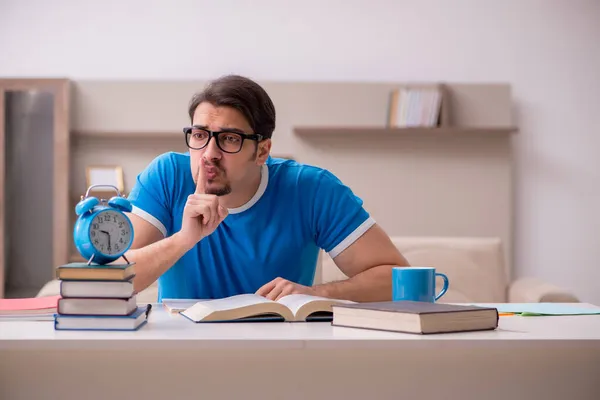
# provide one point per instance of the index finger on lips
(200, 180)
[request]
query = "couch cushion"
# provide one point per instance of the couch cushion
(474, 266)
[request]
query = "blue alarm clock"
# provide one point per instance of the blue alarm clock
(102, 232)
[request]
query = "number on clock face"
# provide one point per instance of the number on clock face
(110, 232)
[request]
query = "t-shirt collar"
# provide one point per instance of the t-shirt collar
(264, 180)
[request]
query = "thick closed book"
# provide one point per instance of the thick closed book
(415, 317)
(98, 289)
(30, 305)
(129, 322)
(28, 309)
(252, 307)
(94, 272)
(81, 306)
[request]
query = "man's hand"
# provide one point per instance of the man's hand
(201, 216)
(280, 287)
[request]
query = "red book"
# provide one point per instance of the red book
(29, 306)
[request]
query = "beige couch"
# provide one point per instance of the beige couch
(475, 267)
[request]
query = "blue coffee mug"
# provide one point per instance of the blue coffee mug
(416, 284)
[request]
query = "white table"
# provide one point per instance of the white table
(171, 357)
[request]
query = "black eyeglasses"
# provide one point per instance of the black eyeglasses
(229, 141)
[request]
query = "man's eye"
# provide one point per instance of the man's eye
(232, 138)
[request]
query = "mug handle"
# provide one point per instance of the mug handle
(445, 288)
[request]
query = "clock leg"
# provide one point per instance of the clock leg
(126, 260)
(90, 260)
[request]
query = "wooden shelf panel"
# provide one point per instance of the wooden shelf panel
(316, 131)
(129, 135)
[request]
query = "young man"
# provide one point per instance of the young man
(226, 218)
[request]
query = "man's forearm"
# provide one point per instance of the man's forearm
(374, 284)
(153, 260)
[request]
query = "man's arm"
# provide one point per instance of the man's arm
(368, 263)
(335, 215)
(152, 254)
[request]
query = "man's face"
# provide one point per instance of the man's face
(221, 173)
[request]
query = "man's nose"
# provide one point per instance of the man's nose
(212, 151)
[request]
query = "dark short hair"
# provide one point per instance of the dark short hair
(243, 94)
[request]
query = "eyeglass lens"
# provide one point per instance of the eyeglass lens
(227, 141)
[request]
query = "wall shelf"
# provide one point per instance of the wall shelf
(314, 131)
(129, 134)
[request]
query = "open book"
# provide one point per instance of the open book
(252, 307)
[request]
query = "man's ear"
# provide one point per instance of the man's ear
(263, 151)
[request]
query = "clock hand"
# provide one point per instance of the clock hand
(107, 234)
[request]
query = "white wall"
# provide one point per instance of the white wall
(548, 50)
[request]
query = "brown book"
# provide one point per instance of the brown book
(94, 272)
(415, 317)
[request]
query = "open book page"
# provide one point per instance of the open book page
(229, 303)
(302, 305)
(235, 307)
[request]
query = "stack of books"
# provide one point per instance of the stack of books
(98, 297)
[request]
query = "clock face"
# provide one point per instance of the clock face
(110, 232)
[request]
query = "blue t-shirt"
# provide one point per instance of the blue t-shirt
(297, 210)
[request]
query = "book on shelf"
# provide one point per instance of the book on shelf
(130, 322)
(415, 317)
(415, 107)
(252, 307)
